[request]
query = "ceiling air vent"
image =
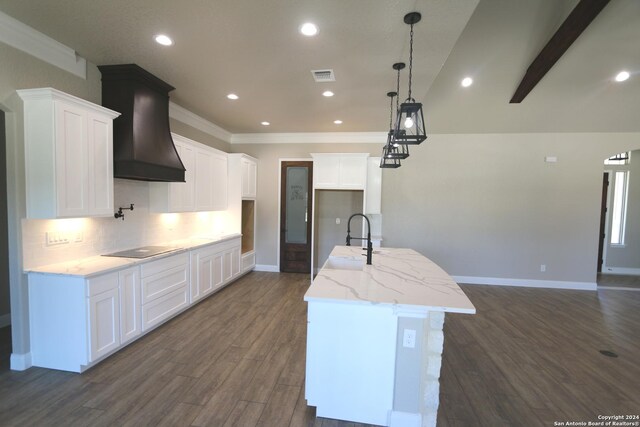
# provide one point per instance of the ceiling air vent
(321, 76)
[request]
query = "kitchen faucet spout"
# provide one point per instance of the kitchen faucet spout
(368, 238)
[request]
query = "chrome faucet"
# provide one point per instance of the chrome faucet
(368, 238)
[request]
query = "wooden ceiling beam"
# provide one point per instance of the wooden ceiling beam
(577, 21)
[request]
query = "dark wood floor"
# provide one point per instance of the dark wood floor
(618, 281)
(529, 357)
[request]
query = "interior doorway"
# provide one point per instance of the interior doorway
(296, 211)
(603, 220)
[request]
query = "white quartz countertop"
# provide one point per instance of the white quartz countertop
(401, 278)
(99, 264)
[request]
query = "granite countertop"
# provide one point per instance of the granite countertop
(401, 278)
(94, 265)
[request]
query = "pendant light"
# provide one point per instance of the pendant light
(388, 159)
(409, 128)
(399, 151)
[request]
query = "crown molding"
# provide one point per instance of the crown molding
(27, 39)
(310, 138)
(187, 117)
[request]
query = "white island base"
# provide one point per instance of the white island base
(375, 339)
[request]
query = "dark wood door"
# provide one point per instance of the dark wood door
(295, 216)
(603, 219)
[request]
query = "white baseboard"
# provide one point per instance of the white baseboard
(552, 284)
(20, 362)
(404, 419)
(5, 320)
(268, 268)
(622, 271)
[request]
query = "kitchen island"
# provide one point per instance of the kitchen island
(374, 336)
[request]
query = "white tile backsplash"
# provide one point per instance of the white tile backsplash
(104, 235)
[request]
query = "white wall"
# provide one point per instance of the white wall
(490, 206)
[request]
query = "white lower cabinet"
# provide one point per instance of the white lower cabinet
(104, 316)
(75, 321)
(231, 263)
(130, 304)
(165, 289)
(213, 267)
(206, 271)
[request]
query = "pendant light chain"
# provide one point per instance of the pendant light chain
(391, 112)
(410, 59)
(398, 91)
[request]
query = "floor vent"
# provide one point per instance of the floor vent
(608, 353)
(321, 76)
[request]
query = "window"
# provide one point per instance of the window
(619, 213)
(619, 159)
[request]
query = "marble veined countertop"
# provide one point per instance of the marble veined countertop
(99, 264)
(401, 278)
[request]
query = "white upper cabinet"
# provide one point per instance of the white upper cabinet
(219, 179)
(211, 180)
(249, 177)
(205, 186)
(68, 155)
(204, 181)
(100, 153)
(347, 171)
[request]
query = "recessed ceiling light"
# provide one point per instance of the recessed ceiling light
(338, 122)
(327, 93)
(622, 76)
(265, 123)
(308, 29)
(163, 40)
(232, 96)
(466, 82)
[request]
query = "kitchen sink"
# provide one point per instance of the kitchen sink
(143, 252)
(336, 263)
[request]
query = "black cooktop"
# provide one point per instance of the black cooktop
(143, 252)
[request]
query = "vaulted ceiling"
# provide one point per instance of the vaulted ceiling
(253, 48)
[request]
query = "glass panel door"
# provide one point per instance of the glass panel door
(296, 211)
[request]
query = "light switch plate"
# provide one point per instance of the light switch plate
(57, 238)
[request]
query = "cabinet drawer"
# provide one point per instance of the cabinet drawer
(164, 282)
(100, 284)
(164, 264)
(205, 251)
(164, 307)
(229, 244)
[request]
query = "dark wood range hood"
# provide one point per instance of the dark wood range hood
(142, 145)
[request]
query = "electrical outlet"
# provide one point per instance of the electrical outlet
(338, 221)
(409, 338)
(543, 267)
